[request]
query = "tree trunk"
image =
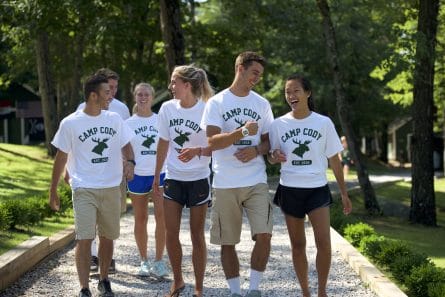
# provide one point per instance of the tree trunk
(46, 89)
(172, 34)
(423, 206)
(371, 203)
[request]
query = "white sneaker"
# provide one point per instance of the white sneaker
(145, 268)
(159, 269)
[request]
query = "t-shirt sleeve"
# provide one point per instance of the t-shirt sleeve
(164, 132)
(333, 143)
(268, 119)
(127, 133)
(63, 138)
(211, 115)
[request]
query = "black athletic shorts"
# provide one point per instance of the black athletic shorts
(188, 193)
(298, 202)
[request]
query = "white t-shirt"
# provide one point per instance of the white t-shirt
(307, 143)
(93, 145)
(180, 126)
(144, 143)
(115, 106)
(230, 112)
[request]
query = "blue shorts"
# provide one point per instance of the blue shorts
(298, 202)
(141, 185)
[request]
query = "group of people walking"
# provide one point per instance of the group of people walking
(168, 155)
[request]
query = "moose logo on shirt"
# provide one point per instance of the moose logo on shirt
(149, 140)
(100, 146)
(182, 137)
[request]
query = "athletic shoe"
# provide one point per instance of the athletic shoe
(104, 288)
(85, 292)
(112, 268)
(253, 293)
(159, 268)
(145, 268)
(94, 266)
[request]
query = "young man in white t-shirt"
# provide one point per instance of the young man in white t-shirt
(92, 142)
(237, 122)
(120, 108)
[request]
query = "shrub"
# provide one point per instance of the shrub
(391, 250)
(354, 233)
(424, 278)
(371, 246)
(5, 218)
(14, 208)
(404, 264)
(339, 220)
(65, 195)
(436, 290)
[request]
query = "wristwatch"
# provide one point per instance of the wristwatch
(132, 162)
(245, 131)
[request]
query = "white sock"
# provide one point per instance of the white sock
(234, 285)
(255, 279)
(94, 248)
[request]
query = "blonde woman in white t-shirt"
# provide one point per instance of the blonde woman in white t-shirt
(144, 123)
(303, 141)
(183, 146)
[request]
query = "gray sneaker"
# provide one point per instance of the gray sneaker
(253, 293)
(159, 269)
(104, 288)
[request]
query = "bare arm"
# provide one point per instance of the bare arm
(128, 154)
(58, 169)
(161, 154)
(336, 167)
(218, 140)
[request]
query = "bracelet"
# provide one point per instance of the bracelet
(132, 162)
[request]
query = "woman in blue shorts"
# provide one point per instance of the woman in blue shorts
(304, 141)
(144, 123)
(183, 145)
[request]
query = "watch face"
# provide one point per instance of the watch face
(245, 131)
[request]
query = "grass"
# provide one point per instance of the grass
(25, 171)
(428, 240)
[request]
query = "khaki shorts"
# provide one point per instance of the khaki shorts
(99, 207)
(227, 213)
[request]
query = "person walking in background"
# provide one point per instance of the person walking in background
(144, 123)
(91, 142)
(237, 121)
(303, 141)
(183, 143)
(120, 108)
(345, 157)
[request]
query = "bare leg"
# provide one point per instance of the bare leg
(158, 204)
(140, 209)
(83, 258)
(229, 261)
(295, 228)
(174, 249)
(105, 256)
(261, 251)
(320, 223)
(199, 254)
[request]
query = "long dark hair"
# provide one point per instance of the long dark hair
(306, 84)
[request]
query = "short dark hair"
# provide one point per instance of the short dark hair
(92, 84)
(247, 58)
(108, 73)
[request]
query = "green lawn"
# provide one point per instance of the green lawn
(25, 171)
(428, 240)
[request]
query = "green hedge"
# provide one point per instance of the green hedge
(28, 212)
(412, 269)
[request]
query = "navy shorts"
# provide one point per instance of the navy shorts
(298, 202)
(188, 193)
(141, 185)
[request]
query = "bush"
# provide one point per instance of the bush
(391, 250)
(424, 278)
(354, 233)
(436, 290)
(339, 220)
(371, 246)
(65, 196)
(404, 264)
(5, 218)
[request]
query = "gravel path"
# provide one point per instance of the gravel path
(56, 275)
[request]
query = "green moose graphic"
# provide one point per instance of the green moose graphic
(100, 146)
(302, 148)
(149, 140)
(183, 137)
(240, 123)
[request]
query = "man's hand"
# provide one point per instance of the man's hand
(128, 170)
(246, 154)
(54, 201)
(252, 127)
